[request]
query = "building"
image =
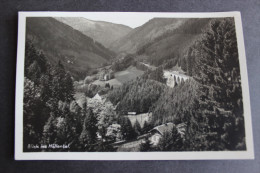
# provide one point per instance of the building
(157, 132)
(106, 75)
(97, 97)
(141, 118)
(131, 113)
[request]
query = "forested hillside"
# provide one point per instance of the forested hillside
(103, 32)
(59, 42)
(176, 104)
(137, 96)
(145, 33)
(172, 45)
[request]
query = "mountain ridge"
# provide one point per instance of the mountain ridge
(143, 34)
(58, 41)
(101, 31)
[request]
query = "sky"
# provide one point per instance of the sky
(132, 20)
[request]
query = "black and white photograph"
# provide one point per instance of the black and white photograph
(131, 86)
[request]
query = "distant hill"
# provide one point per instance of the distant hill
(174, 44)
(145, 33)
(58, 41)
(162, 38)
(103, 32)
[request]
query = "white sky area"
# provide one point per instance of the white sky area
(132, 20)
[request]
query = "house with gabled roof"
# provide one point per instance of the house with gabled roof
(157, 132)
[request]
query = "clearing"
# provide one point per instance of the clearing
(121, 77)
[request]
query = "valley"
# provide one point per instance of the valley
(109, 87)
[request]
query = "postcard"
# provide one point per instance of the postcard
(131, 86)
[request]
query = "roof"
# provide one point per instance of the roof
(131, 113)
(97, 97)
(168, 128)
(164, 128)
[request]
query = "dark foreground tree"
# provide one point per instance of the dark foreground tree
(147, 126)
(88, 137)
(62, 84)
(137, 128)
(127, 130)
(171, 141)
(146, 145)
(219, 81)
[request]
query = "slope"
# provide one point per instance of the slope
(145, 33)
(174, 44)
(162, 38)
(59, 42)
(103, 32)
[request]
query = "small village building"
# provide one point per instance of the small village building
(106, 75)
(157, 132)
(140, 118)
(131, 113)
(97, 97)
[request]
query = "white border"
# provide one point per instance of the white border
(201, 155)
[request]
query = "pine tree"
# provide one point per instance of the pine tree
(146, 145)
(89, 133)
(137, 128)
(68, 87)
(105, 118)
(147, 126)
(175, 81)
(184, 64)
(49, 131)
(107, 85)
(127, 130)
(66, 127)
(220, 88)
(171, 141)
(157, 75)
(62, 84)
(191, 59)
